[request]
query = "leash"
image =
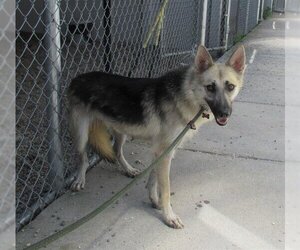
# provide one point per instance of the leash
(46, 241)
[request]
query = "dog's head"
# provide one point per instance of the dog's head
(218, 84)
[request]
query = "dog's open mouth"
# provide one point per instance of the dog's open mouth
(222, 121)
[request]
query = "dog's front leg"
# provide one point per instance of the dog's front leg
(163, 175)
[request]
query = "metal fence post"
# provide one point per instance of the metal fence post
(247, 17)
(227, 24)
(53, 69)
(203, 26)
(259, 6)
(262, 10)
(272, 5)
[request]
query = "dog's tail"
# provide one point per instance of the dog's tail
(99, 139)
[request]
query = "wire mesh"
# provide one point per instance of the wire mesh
(57, 40)
(244, 16)
(279, 5)
(253, 14)
(7, 115)
(291, 5)
(216, 20)
(268, 4)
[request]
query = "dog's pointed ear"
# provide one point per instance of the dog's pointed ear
(238, 60)
(203, 59)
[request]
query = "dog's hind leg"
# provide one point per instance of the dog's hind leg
(118, 148)
(80, 129)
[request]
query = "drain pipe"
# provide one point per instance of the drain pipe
(204, 18)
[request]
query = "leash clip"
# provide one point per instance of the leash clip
(192, 125)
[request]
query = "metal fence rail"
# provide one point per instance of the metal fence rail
(57, 40)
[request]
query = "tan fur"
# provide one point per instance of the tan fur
(99, 139)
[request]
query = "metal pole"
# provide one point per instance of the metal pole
(272, 5)
(227, 24)
(53, 69)
(258, 16)
(247, 17)
(198, 24)
(204, 18)
(262, 10)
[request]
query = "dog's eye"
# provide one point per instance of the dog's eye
(230, 86)
(211, 87)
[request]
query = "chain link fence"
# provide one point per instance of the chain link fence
(279, 5)
(292, 6)
(57, 40)
(7, 116)
(244, 16)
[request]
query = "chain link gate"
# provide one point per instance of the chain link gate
(57, 40)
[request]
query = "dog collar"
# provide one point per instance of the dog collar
(192, 124)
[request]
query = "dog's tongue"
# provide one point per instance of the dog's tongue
(222, 121)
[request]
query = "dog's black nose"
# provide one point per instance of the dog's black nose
(224, 114)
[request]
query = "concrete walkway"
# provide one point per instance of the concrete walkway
(227, 183)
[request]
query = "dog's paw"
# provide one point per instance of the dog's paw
(133, 172)
(174, 221)
(78, 184)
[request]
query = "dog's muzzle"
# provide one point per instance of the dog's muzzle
(222, 121)
(222, 116)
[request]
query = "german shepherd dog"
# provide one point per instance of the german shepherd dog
(157, 109)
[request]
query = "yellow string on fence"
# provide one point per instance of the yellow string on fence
(157, 25)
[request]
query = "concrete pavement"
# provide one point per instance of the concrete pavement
(227, 183)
